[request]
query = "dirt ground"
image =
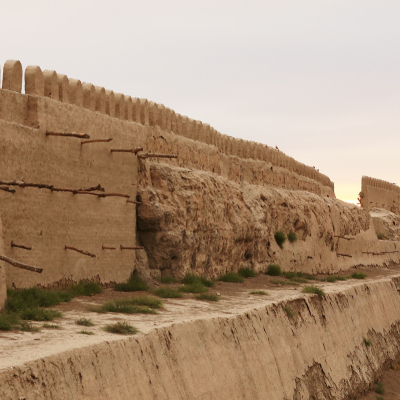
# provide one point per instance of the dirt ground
(18, 347)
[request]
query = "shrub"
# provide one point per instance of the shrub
(259, 292)
(193, 288)
(40, 314)
(292, 237)
(84, 322)
(288, 312)
(9, 321)
(367, 342)
(167, 292)
(313, 289)
(274, 270)
(207, 296)
(135, 283)
(123, 328)
(358, 275)
(191, 279)
(168, 279)
(247, 273)
(231, 277)
(378, 388)
(280, 238)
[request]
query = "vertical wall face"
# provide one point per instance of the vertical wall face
(3, 291)
(381, 194)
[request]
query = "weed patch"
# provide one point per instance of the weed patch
(40, 314)
(358, 275)
(168, 293)
(382, 236)
(83, 288)
(335, 278)
(28, 327)
(136, 305)
(247, 273)
(84, 322)
(191, 279)
(51, 326)
(259, 292)
(367, 342)
(193, 288)
(283, 282)
(207, 296)
(288, 312)
(313, 289)
(85, 332)
(123, 328)
(378, 388)
(274, 270)
(135, 283)
(292, 237)
(280, 238)
(168, 279)
(231, 277)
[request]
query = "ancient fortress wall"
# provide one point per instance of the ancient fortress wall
(379, 193)
(40, 174)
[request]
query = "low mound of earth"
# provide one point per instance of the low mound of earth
(244, 346)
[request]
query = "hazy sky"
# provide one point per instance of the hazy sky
(319, 79)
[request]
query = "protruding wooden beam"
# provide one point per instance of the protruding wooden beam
(20, 265)
(7, 189)
(20, 246)
(134, 151)
(68, 134)
(344, 255)
(86, 253)
(108, 248)
(131, 248)
(133, 201)
(96, 141)
(113, 195)
(150, 155)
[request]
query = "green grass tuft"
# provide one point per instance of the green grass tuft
(135, 283)
(292, 237)
(51, 326)
(122, 328)
(358, 275)
(259, 292)
(247, 273)
(367, 342)
(28, 327)
(313, 289)
(40, 314)
(168, 293)
(273, 270)
(84, 322)
(193, 288)
(280, 238)
(9, 321)
(378, 388)
(191, 279)
(83, 288)
(288, 312)
(136, 305)
(85, 332)
(207, 296)
(335, 278)
(231, 277)
(168, 279)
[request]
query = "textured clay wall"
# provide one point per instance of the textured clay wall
(3, 290)
(378, 193)
(48, 220)
(258, 354)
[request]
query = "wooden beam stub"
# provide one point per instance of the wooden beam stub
(150, 155)
(20, 265)
(68, 134)
(96, 141)
(86, 253)
(108, 248)
(131, 248)
(20, 246)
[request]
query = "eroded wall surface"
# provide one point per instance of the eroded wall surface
(319, 353)
(381, 194)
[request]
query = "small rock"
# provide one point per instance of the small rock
(218, 294)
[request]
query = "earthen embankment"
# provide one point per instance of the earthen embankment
(259, 353)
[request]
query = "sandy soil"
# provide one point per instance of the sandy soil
(17, 347)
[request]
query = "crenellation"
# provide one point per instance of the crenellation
(119, 105)
(128, 108)
(75, 92)
(174, 121)
(110, 103)
(136, 110)
(12, 76)
(153, 113)
(51, 84)
(168, 121)
(89, 96)
(34, 81)
(63, 88)
(100, 99)
(144, 112)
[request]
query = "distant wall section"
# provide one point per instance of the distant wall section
(379, 193)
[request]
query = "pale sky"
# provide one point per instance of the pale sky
(319, 79)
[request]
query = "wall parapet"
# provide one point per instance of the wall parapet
(72, 91)
(379, 193)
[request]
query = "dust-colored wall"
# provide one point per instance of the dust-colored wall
(319, 353)
(379, 193)
(3, 290)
